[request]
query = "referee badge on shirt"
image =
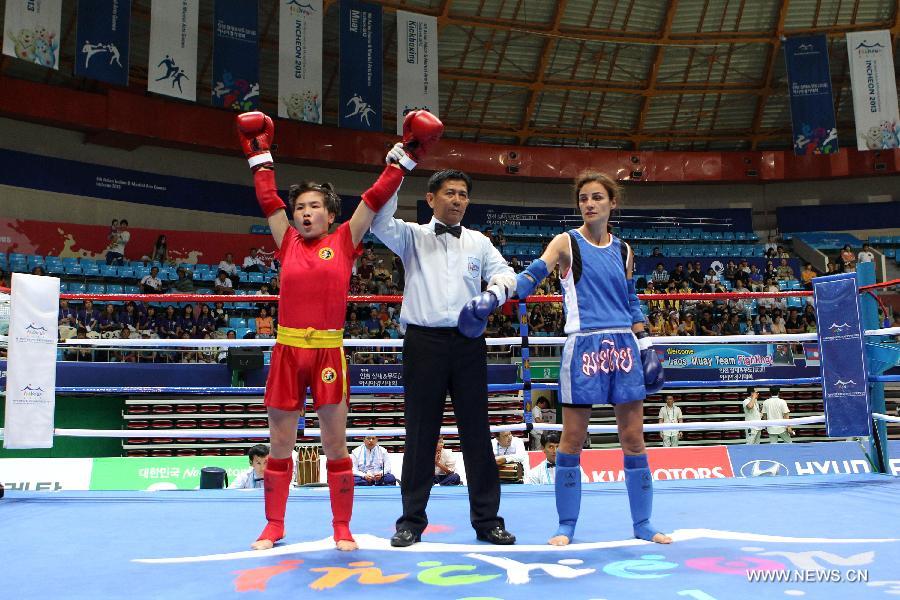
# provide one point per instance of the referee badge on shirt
(473, 268)
(326, 253)
(329, 375)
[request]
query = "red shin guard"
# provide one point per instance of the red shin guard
(277, 486)
(340, 487)
(267, 192)
(384, 188)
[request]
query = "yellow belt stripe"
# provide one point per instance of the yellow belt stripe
(310, 338)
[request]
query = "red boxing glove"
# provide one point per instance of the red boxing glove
(421, 130)
(267, 192)
(255, 133)
(384, 188)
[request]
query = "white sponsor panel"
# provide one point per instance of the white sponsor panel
(417, 65)
(31, 31)
(31, 362)
(172, 63)
(300, 61)
(874, 85)
(45, 474)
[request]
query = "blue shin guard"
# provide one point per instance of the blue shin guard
(568, 492)
(639, 483)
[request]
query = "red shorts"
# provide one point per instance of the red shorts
(292, 369)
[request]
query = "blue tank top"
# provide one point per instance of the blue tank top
(595, 293)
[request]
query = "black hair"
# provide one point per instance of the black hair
(258, 451)
(549, 437)
(438, 179)
(774, 390)
(123, 222)
(331, 198)
(751, 389)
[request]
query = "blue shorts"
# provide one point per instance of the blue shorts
(601, 367)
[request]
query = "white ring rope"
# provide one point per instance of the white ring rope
(264, 433)
(887, 418)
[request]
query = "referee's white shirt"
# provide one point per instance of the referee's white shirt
(442, 272)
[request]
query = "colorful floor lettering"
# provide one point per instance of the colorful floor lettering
(786, 537)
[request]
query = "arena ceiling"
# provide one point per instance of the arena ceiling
(619, 74)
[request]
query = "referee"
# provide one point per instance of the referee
(445, 264)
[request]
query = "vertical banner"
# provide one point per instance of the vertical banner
(235, 83)
(361, 64)
(874, 90)
(102, 40)
(300, 61)
(809, 84)
(845, 386)
(172, 67)
(31, 31)
(417, 65)
(31, 364)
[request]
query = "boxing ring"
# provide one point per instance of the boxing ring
(817, 536)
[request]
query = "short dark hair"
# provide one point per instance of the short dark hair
(437, 180)
(123, 222)
(774, 390)
(257, 451)
(331, 198)
(751, 389)
(549, 437)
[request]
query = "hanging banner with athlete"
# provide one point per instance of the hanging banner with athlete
(361, 66)
(172, 67)
(874, 84)
(101, 46)
(809, 87)
(300, 61)
(417, 65)
(235, 74)
(31, 31)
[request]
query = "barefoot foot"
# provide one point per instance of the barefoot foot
(661, 538)
(559, 540)
(263, 545)
(346, 545)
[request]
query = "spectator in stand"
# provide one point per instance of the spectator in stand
(186, 323)
(227, 265)
(80, 353)
(806, 276)
(657, 323)
(707, 325)
(125, 355)
(353, 326)
(185, 282)
(865, 255)
(656, 252)
(221, 315)
(762, 324)
(848, 259)
(160, 250)
(492, 329)
(151, 283)
(168, 324)
(265, 325)
(784, 272)
(149, 322)
(4, 279)
(130, 317)
(109, 319)
(38, 270)
(732, 325)
(115, 253)
(223, 351)
(66, 315)
(223, 284)
(660, 276)
(516, 264)
(687, 325)
(366, 270)
(831, 268)
(535, 320)
(672, 324)
(274, 288)
(793, 322)
(253, 262)
(756, 279)
(775, 409)
(206, 321)
(778, 323)
(678, 275)
(731, 271)
(711, 279)
(809, 315)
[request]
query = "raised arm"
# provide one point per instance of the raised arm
(256, 131)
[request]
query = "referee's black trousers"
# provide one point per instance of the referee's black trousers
(437, 360)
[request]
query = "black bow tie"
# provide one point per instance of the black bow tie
(549, 466)
(454, 230)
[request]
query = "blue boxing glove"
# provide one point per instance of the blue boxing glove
(473, 316)
(654, 378)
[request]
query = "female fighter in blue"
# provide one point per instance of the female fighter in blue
(607, 358)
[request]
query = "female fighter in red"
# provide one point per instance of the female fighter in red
(315, 279)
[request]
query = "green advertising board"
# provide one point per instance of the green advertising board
(164, 473)
(542, 370)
